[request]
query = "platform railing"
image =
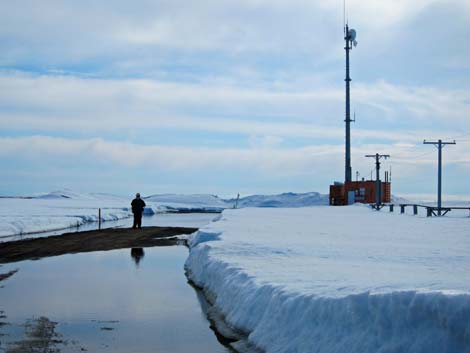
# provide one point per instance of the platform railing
(430, 210)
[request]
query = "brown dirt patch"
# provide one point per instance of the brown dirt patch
(102, 240)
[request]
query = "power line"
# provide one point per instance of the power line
(378, 187)
(421, 155)
(412, 156)
(465, 133)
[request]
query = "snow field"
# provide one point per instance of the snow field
(65, 208)
(26, 216)
(214, 203)
(338, 279)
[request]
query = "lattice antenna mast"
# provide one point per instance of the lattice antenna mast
(439, 144)
(378, 186)
(350, 40)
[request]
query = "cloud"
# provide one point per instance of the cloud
(68, 103)
(55, 32)
(261, 79)
(421, 103)
(262, 158)
(94, 29)
(102, 164)
(381, 15)
(265, 155)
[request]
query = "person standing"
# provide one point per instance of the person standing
(137, 209)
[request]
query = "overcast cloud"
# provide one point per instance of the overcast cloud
(226, 97)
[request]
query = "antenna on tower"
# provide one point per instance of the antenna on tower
(345, 15)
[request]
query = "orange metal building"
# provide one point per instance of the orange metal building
(358, 191)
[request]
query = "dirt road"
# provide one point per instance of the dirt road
(106, 239)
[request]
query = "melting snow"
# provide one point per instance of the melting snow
(338, 279)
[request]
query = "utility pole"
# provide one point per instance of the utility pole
(439, 144)
(350, 39)
(378, 187)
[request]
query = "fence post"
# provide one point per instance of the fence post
(415, 209)
(402, 208)
(391, 208)
(99, 218)
(429, 211)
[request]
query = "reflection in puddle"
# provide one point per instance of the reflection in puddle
(137, 254)
(39, 336)
(7, 275)
(99, 302)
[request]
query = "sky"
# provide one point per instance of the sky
(227, 97)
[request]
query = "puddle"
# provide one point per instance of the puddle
(132, 300)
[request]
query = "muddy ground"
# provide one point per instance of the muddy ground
(96, 240)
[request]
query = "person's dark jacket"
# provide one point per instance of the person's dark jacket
(137, 206)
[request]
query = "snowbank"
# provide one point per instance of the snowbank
(57, 210)
(338, 279)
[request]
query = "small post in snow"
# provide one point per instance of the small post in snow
(99, 218)
(236, 201)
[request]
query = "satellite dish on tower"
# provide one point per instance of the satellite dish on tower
(352, 34)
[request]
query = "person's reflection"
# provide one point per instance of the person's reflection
(137, 254)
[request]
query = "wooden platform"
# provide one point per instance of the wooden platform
(430, 210)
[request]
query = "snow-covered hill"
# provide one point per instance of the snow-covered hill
(194, 203)
(58, 210)
(64, 194)
(70, 194)
(289, 199)
(214, 203)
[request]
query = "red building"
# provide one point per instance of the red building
(358, 191)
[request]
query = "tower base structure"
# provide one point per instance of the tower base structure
(364, 191)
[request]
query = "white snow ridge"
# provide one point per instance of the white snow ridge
(288, 199)
(57, 210)
(338, 279)
(198, 202)
(66, 208)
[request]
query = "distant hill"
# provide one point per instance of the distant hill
(207, 202)
(288, 199)
(194, 202)
(70, 194)
(63, 194)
